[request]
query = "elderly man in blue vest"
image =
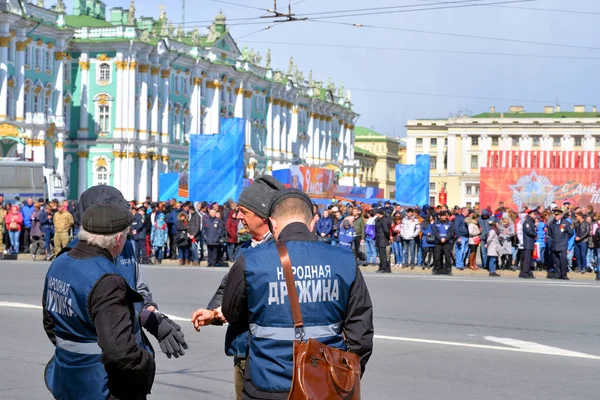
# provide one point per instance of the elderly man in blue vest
(101, 351)
(337, 302)
(255, 202)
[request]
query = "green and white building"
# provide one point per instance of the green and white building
(103, 97)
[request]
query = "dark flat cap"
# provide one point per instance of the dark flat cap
(259, 196)
(106, 219)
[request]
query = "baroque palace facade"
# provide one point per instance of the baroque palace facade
(103, 97)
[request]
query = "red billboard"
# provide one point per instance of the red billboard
(530, 187)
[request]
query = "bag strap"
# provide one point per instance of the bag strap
(284, 256)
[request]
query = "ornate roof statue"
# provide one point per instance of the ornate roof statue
(348, 96)
(258, 58)
(330, 85)
(180, 32)
(163, 14)
(171, 29)
(213, 35)
(131, 14)
(40, 3)
(195, 36)
(252, 56)
(299, 77)
(220, 18)
(60, 7)
(268, 61)
(311, 81)
(278, 76)
(291, 66)
(245, 54)
(341, 90)
(144, 35)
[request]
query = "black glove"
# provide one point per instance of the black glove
(170, 338)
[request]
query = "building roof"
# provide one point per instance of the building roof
(362, 151)
(554, 115)
(362, 131)
(85, 21)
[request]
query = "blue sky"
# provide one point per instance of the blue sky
(347, 54)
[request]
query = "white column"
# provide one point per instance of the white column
(4, 76)
(440, 156)
(82, 171)
(59, 153)
(317, 140)
(143, 185)
(451, 154)
(130, 110)
(164, 130)
(129, 172)
(284, 112)
(342, 139)
(238, 95)
(59, 68)
(276, 128)
(270, 133)
(119, 101)
(248, 118)
(347, 140)
(154, 176)
(466, 157)
(292, 140)
(213, 93)
(154, 129)
(195, 106)
(84, 65)
(20, 78)
(329, 153)
(144, 133)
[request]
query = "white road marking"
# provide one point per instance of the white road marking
(19, 305)
(540, 282)
(528, 347)
(176, 318)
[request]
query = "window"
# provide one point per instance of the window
(474, 141)
(37, 103)
(104, 73)
(11, 50)
(433, 142)
(495, 140)
(47, 61)
(101, 176)
(469, 190)
(515, 141)
(27, 60)
(103, 118)
(419, 142)
(473, 190)
(598, 141)
(433, 163)
(556, 141)
(474, 162)
(536, 140)
(578, 142)
(38, 59)
(432, 201)
(446, 142)
(432, 186)
(469, 204)
(26, 101)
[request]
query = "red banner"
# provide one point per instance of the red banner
(529, 187)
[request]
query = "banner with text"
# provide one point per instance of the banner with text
(530, 187)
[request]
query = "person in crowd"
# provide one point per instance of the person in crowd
(461, 248)
(494, 248)
(3, 212)
(485, 227)
(325, 228)
(591, 254)
(582, 232)
(519, 254)
(474, 240)
(14, 224)
(443, 232)
(183, 238)
(529, 238)
(171, 221)
(232, 228)
(26, 211)
(159, 237)
(316, 218)
(194, 231)
(383, 225)
(359, 229)
(37, 236)
(138, 231)
(63, 222)
(560, 232)
(337, 223)
(214, 231)
(571, 244)
(410, 229)
(428, 240)
(396, 234)
(506, 234)
(269, 367)
(540, 242)
(346, 234)
(370, 235)
(596, 238)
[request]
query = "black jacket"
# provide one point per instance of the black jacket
(130, 368)
(383, 227)
(529, 233)
(194, 225)
(560, 239)
(582, 231)
(358, 325)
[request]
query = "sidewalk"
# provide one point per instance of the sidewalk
(467, 273)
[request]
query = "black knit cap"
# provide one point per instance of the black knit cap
(258, 197)
(290, 193)
(106, 219)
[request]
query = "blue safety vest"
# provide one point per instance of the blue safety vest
(443, 228)
(324, 275)
(76, 370)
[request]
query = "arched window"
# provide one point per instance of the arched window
(11, 50)
(27, 60)
(47, 59)
(101, 176)
(37, 103)
(104, 117)
(104, 72)
(38, 59)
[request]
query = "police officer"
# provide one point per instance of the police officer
(101, 352)
(443, 231)
(560, 231)
(255, 202)
(255, 294)
(529, 238)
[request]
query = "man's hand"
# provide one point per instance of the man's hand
(151, 308)
(443, 240)
(203, 317)
(170, 338)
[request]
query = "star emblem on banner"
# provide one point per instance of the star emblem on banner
(533, 190)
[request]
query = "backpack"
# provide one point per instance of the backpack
(370, 230)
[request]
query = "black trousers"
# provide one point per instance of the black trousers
(559, 260)
(384, 265)
(428, 255)
(213, 254)
(356, 244)
(140, 251)
(442, 253)
(526, 265)
(24, 239)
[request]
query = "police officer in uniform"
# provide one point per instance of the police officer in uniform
(255, 203)
(255, 294)
(101, 351)
(529, 238)
(443, 231)
(559, 231)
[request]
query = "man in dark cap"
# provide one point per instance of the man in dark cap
(443, 232)
(559, 231)
(254, 205)
(337, 309)
(101, 352)
(529, 238)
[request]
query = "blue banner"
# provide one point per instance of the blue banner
(412, 182)
(217, 163)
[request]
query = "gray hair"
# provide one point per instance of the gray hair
(103, 241)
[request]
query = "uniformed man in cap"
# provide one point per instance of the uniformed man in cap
(529, 238)
(101, 352)
(338, 302)
(559, 231)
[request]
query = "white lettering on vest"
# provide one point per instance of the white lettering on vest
(273, 293)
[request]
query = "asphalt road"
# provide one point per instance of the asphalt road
(438, 337)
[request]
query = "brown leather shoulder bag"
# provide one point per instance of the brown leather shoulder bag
(320, 372)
